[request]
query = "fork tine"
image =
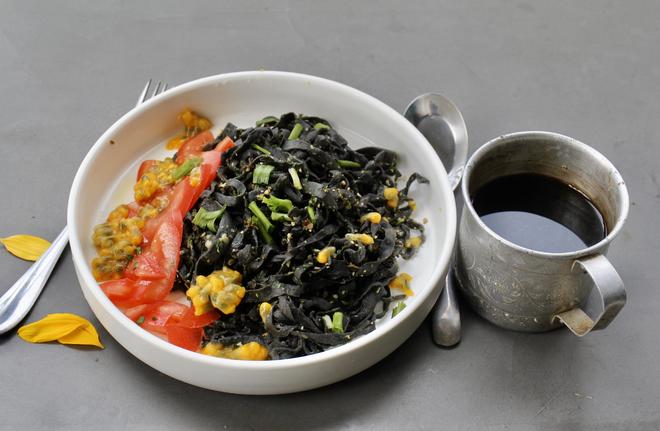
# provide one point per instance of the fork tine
(156, 90)
(164, 88)
(143, 95)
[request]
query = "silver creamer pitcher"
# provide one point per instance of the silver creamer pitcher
(528, 290)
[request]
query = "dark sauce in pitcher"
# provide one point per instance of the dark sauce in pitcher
(540, 213)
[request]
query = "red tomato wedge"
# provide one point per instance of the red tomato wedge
(193, 146)
(187, 338)
(157, 315)
(224, 145)
(189, 320)
(144, 167)
(145, 266)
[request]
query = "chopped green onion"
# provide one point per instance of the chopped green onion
(266, 120)
(261, 174)
(338, 322)
(279, 216)
(207, 219)
(295, 178)
(276, 204)
(398, 308)
(261, 149)
(327, 321)
(312, 215)
(348, 164)
(295, 132)
(261, 217)
(319, 126)
(140, 320)
(262, 230)
(184, 168)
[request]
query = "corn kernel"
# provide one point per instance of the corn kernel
(402, 282)
(360, 237)
(251, 351)
(264, 311)
(372, 217)
(391, 194)
(413, 242)
(325, 254)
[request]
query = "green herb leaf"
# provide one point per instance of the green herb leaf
(312, 214)
(206, 219)
(295, 132)
(338, 322)
(319, 126)
(262, 230)
(266, 120)
(262, 220)
(327, 321)
(261, 174)
(261, 149)
(140, 320)
(295, 178)
(184, 168)
(398, 308)
(279, 216)
(276, 204)
(347, 164)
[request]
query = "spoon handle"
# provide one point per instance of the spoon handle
(18, 300)
(446, 323)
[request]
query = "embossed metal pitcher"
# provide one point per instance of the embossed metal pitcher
(528, 290)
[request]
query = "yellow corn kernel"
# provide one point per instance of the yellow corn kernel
(391, 194)
(325, 254)
(264, 310)
(212, 349)
(402, 282)
(360, 237)
(372, 217)
(412, 204)
(413, 242)
(251, 351)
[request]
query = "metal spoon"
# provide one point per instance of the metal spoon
(443, 126)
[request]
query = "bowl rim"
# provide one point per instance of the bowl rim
(92, 286)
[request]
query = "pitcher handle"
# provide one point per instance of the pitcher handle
(605, 300)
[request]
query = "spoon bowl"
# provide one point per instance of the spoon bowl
(443, 126)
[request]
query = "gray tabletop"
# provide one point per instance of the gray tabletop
(587, 69)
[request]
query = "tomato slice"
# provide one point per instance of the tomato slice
(144, 167)
(187, 338)
(189, 320)
(145, 266)
(193, 146)
(134, 313)
(156, 315)
(118, 289)
(224, 145)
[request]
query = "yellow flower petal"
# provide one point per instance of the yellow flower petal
(26, 247)
(63, 327)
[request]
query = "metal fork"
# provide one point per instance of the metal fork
(19, 299)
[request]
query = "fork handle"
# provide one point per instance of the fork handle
(18, 300)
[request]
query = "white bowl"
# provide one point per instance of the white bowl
(109, 168)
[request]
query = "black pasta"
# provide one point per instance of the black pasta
(324, 188)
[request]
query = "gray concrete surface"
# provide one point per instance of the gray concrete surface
(589, 69)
